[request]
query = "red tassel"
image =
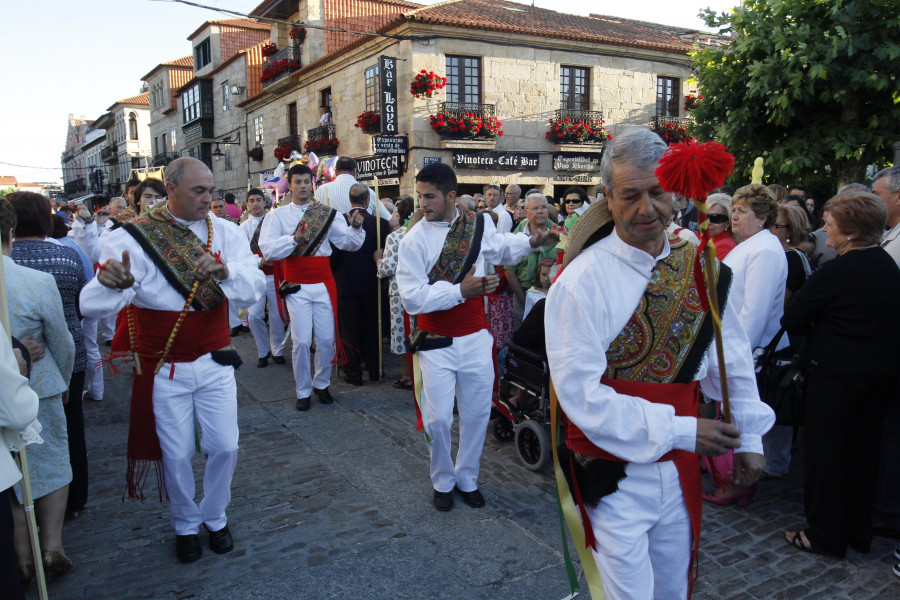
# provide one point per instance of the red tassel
(694, 170)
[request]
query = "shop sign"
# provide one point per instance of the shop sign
(382, 167)
(576, 178)
(388, 69)
(574, 161)
(390, 144)
(432, 159)
(499, 161)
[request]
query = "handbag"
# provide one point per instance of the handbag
(781, 382)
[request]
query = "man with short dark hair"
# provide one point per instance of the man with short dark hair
(269, 341)
(495, 204)
(357, 290)
(442, 278)
(218, 208)
(302, 233)
(178, 268)
(336, 193)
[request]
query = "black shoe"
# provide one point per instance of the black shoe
(353, 379)
(303, 403)
(236, 331)
(279, 360)
(220, 541)
(187, 548)
(473, 498)
(262, 363)
(443, 501)
(324, 396)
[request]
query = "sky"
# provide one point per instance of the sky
(81, 57)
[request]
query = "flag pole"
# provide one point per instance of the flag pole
(378, 246)
(22, 462)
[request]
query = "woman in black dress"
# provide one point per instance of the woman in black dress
(847, 310)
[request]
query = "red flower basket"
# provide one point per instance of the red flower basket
(578, 131)
(298, 34)
(269, 49)
(274, 70)
(322, 146)
(467, 126)
(255, 153)
(692, 100)
(369, 122)
(672, 133)
(427, 83)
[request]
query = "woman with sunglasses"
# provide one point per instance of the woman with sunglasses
(718, 213)
(574, 201)
(792, 229)
(759, 273)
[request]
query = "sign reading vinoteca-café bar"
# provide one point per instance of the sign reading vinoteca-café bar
(370, 167)
(502, 161)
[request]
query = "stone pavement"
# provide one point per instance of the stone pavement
(335, 503)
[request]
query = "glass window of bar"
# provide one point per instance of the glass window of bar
(574, 88)
(373, 92)
(463, 79)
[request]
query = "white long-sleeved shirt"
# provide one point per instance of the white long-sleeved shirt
(245, 283)
(336, 194)
(759, 268)
(420, 249)
(248, 228)
(276, 240)
(88, 237)
(504, 219)
(587, 307)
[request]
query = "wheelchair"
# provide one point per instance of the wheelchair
(527, 424)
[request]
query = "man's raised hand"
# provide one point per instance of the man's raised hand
(544, 237)
(472, 287)
(209, 264)
(116, 274)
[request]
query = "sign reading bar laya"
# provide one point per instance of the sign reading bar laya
(390, 144)
(501, 161)
(388, 68)
(573, 161)
(370, 167)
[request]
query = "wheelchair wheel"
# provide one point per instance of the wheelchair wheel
(533, 445)
(503, 429)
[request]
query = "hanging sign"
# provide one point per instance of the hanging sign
(388, 70)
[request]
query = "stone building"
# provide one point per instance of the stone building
(75, 181)
(524, 66)
(165, 121)
(127, 143)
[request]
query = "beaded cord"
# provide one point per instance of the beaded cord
(187, 307)
(132, 339)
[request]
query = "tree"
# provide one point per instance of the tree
(6, 191)
(809, 85)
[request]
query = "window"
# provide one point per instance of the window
(156, 145)
(325, 96)
(202, 55)
(668, 98)
(464, 79)
(197, 102)
(228, 164)
(292, 118)
(574, 88)
(164, 147)
(225, 96)
(373, 85)
(132, 126)
(258, 131)
(172, 140)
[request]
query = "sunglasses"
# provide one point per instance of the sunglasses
(573, 201)
(492, 187)
(718, 219)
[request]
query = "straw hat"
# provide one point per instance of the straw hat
(593, 225)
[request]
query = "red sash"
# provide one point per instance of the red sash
(267, 269)
(684, 397)
(316, 269)
(462, 319)
(200, 333)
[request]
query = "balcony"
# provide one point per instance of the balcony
(578, 115)
(164, 158)
(321, 140)
(678, 121)
(278, 66)
(110, 154)
(575, 130)
(325, 132)
(673, 129)
(466, 125)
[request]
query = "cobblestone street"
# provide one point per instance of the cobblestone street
(336, 503)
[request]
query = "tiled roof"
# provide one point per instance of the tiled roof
(139, 99)
(8, 180)
(500, 15)
(184, 61)
(242, 23)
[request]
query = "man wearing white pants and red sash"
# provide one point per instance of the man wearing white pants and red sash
(175, 268)
(441, 276)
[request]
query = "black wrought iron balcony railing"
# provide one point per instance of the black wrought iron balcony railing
(324, 132)
(459, 109)
(575, 115)
(281, 64)
(659, 121)
(109, 153)
(164, 158)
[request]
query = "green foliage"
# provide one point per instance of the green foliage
(5, 191)
(809, 85)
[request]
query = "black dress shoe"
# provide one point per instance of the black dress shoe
(187, 548)
(279, 360)
(324, 396)
(236, 331)
(443, 501)
(220, 541)
(473, 498)
(303, 403)
(262, 363)
(353, 379)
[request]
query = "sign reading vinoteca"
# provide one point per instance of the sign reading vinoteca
(370, 167)
(580, 163)
(501, 161)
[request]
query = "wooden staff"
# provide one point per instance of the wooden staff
(378, 246)
(325, 189)
(22, 462)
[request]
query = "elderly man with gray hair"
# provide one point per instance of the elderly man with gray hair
(521, 276)
(632, 428)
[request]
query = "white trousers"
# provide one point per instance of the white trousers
(109, 327)
(464, 369)
(271, 340)
(93, 374)
(643, 533)
(233, 319)
(206, 390)
(310, 308)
